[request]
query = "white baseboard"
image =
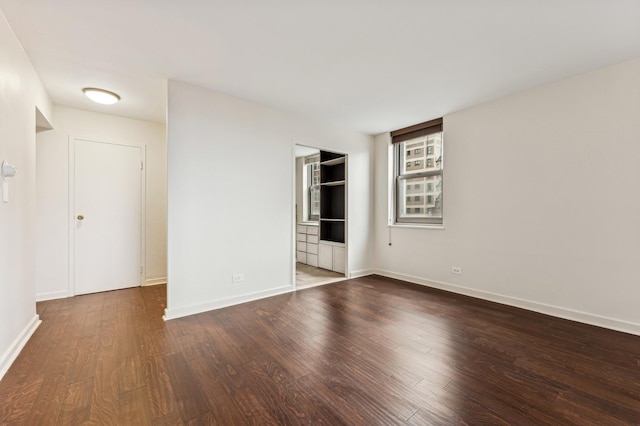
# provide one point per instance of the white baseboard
(362, 273)
(154, 281)
(556, 311)
(41, 297)
(170, 314)
(14, 349)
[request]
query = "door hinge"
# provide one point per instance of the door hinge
(141, 165)
(140, 268)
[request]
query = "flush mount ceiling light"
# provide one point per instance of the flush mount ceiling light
(101, 96)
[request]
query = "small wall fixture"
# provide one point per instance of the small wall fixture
(6, 170)
(101, 96)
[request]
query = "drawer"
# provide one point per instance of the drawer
(302, 246)
(301, 237)
(312, 239)
(312, 230)
(301, 257)
(312, 248)
(312, 260)
(301, 229)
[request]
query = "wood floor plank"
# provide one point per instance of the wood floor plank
(105, 401)
(134, 408)
(85, 355)
(77, 403)
(220, 400)
(188, 395)
(158, 388)
(51, 395)
(366, 351)
(17, 398)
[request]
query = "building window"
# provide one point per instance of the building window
(312, 177)
(411, 180)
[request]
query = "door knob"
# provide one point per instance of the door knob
(80, 217)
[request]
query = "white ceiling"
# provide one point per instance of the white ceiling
(305, 151)
(368, 65)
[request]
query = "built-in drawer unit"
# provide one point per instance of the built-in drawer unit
(307, 244)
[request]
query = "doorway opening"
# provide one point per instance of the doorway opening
(320, 217)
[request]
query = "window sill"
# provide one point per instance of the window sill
(415, 226)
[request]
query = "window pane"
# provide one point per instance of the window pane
(425, 154)
(312, 195)
(314, 201)
(315, 173)
(420, 198)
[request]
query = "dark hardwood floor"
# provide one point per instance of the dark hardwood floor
(368, 351)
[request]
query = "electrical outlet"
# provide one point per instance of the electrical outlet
(236, 278)
(456, 270)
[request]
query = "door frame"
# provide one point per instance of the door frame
(347, 271)
(72, 198)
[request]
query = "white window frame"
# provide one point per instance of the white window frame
(397, 178)
(309, 188)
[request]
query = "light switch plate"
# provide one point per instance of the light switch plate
(5, 192)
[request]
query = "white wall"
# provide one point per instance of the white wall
(231, 172)
(541, 202)
(20, 93)
(52, 275)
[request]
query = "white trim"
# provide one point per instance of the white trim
(321, 283)
(70, 215)
(331, 243)
(416, 226)
(154, 281)
(41, 297)
(18, 344)
(170, 314)
(556, 311)
(362, 273)
(294, 215)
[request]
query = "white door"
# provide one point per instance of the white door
(107, 216)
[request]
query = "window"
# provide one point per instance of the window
(312, 170)
(413, 180)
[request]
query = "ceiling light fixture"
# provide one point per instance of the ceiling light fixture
(101, 96)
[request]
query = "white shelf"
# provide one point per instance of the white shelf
(334, 183)
(333, 162)
(332, 243)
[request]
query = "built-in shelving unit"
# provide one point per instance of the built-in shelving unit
(333, 184)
